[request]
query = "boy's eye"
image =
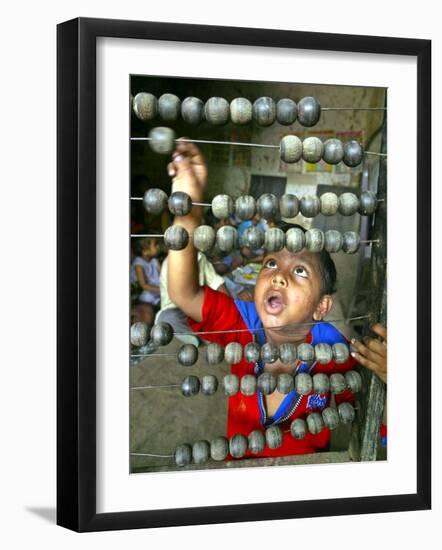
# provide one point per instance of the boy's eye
(271, 264)
(300, 270)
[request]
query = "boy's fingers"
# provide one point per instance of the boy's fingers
(171, 170)
(380, 330)
(370, 365)
(190, 149)
(376, 346)
(366, 352)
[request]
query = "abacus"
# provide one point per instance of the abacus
(345, 220)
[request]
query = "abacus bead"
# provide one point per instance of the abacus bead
(295, 239)
(351, 241)
(139, 334)
(187, 355)
(155, 201)
(286, 111)
(312, 149)
(204, 238)
(314, 240)
(245, 207)
(333, 151)
(222, 206)
(252, 352)
(285, 383)
(289, 206)
(253, 237)
(274, 240)
(331, 418)
(346, 412)
(257, 442)
(268, 206)
(269, 353)
(303, 383)
(333, 240)
(169, 107)
(201, 452)
(309, 206)
(340, 352)
(214, 354)
(353, 380)
(309, 111)
(217, 110)
(238, 445)
(367, 203)
(176, 237)
(161, 333)
(298, 428)
(353, 153)
(248, 384)
(306, 353)
(348, 204)
(180, 204)
(190, 386)
(145, 106)
(321, 383)
(337, 382)
(264, 111)
(323, 353)
(219, 448)
(233, 353)
(240, 110)
(329, 204)
(274, 437)
(192, 110)
(231, 384)
(209, 384)
(287, 353)
(290, 149)
(162, 140)
(227, 238)
(266, 383)
(183, 455)
(315, 423)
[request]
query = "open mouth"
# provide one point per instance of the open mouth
(273, 302)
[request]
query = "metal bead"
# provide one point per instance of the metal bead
(333, 151)
(183, 455)
(161, 333)
(180, 204)
(285, 383)
(312, 149)
(192, 110)
(217, 111)
(139, 334)
(201, 452)
(162, 140)
(219, 448)
(303, 383)
(222, 206)
(340, 352)
(169, 106)
(310, 206)
(331, 418)
(238, 445)
(315, 423)
(187, 355)
(241, 110)
(348, 204)
(204, 238)
(367, 203)
(209, 384)
(155, 201)
(190, 386)
(268, 206)
(329, 204)
(286, 111)
(274, 239)
(274, 436)
(253, 238)
(252, 352)
(176, 237)
(353, 153)
(298, 428)
(214, 354)
(231, 384)
(287, 353)
(290, 149)
(233, 353)
(309, 111)
(145, 106)
(321, 383)
(289, 206)
(333, 240)
(306, 353)
(295, 239)
(257, 442)
(323, 353)
(227, 238)
(337, 382)
(346, 412)
(269, 353)
(245, 207)
(266, 383)
(353, 380)
(248, 384)
(314, 240)
(264, 111)
(351, 241)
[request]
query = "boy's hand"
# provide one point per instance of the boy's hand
(188, 170)
(372, 354)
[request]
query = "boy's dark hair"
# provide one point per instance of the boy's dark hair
(326, 264)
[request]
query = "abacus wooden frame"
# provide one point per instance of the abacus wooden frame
(76, 174)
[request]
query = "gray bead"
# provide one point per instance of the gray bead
(268, 206)
(238, 445)
(306, 353)
(303, 383)
(269, 353)
(346, 412)
(274, 240)
(353, 380)
(340, 352)
(331, 418)
(367, 203)
(286, 111)
(314, 240)
(321, 383)
(312, 149)
(233, 353)
(295, 239)
(180, 204)
(248, 384)
(337, 382)
(298, 428)
(155, 201)
(252, 352)
(219, 448)
(162, 140)
(333, 151)
(222, 206)
(351, 241)
(310, 206)
(227, 238)
(217, 111)
(353, 153)
(161, 333)
(289, 205)
(145, 106)
(209, 384)
(309, 111)
(253, 237)
(257, 442)
(315, 423)
(274, 437)
(245, 207)
(169, 107)
(139, 334)
(231, 384)
(176, 237)
(323, 353)
(201, 452)
(266, 383)
(190, 386)
(240, 110)
(264, 111)
(290, 149)
(287, 353)
(333, 240)
(214, 354)
(183, 455)
(285, 383)
(329, 204)
(192, 110)
(187, 355)
(204, 238)
(348, 204)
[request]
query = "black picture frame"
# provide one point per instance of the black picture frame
(76, 355)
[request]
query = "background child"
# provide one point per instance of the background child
(145, 276)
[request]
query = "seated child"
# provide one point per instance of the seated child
(145, 274)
